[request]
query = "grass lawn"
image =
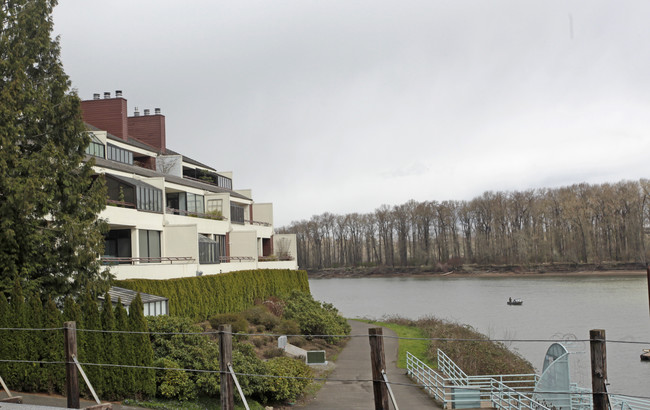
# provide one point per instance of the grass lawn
(418, 348)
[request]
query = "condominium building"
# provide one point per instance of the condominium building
(169, 215)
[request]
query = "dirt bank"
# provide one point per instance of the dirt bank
(482, 271)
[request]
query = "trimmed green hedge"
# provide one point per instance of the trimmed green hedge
(201, 297)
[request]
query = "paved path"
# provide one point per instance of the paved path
(353, 363)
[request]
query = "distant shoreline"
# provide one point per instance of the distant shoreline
(412, 273)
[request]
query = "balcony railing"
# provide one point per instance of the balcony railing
(116, 260)
(250, 221)
(195, 214)
(275, 258)
(120, 204)
(236, 259)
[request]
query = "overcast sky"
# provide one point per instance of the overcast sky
(342, 106)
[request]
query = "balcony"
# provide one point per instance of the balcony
(116, 260)
(213, 216)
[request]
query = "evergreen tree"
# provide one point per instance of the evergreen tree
(145, 381)
(92, 343)
(5, 335)
(110, 351)
(18, 319)
(34, 343)
(126, 352)
(54, 374)
(50, 237)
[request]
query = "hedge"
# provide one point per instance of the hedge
(201, 297)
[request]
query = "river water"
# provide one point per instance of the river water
(555, 308)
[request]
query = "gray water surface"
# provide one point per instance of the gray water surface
(555, 308)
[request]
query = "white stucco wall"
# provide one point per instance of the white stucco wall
(263, 213)
(243, 243)
(181, 240)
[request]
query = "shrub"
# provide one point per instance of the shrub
(282, 388)
(275, 305)
(298, 341)
(173, 384)
(237, 321)
(287, 327)
(273, 352)
(260, 315)
(316, 318)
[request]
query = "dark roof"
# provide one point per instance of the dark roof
(189, 160)
(133, 182)
(145, 172)
(128, 296)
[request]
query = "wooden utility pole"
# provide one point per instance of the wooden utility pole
(71, 375)
(598, 369)
(647, 269)
(378, 364)
(225, 358)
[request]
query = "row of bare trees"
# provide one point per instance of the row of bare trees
(577, 224)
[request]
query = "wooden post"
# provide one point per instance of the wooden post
(647, 269)
(71, 375)
(598, 369)
(378, 364)
(225, 358)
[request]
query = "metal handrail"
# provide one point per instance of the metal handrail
(156, 259)
(236, 258)
(202, 215)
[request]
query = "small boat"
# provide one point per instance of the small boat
(515, 302)
(645, 356)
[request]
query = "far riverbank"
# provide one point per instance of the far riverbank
(630, 269)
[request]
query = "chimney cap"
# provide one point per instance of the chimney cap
(136, 112)
(118, 93)
(157, 110)
(107, 94)
(96, 96)
(146, 111)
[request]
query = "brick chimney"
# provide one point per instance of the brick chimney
(149, 129)
(108, 114)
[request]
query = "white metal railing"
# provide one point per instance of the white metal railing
(461, 390)
(511, 391)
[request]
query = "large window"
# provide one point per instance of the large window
(214, 207)
(117, 244)
(237, 214)
(195, 203)
(96, 148)
(185, 202)
(119, 155)
(149, 244)
(149, 198)
(208, 250)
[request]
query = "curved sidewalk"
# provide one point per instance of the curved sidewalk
(341, 391)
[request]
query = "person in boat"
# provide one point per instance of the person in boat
(509, 300)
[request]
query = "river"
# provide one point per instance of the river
(555, 308)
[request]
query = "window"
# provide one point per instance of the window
(221, 244)
(195, 203)
(119, 155)
(149, 244)
(215, 207)
(208, 250)
(96, 148)
(237, 214)
(149, 198)
(117, 244)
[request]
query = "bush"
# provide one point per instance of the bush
(173, 384)
(260, 315)
(286, 389)
(237, 321)
(273, 352)
(187, 350)
(287, 327)
(297, 341)
(316, 318)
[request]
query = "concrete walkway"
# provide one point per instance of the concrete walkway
(354, 364)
